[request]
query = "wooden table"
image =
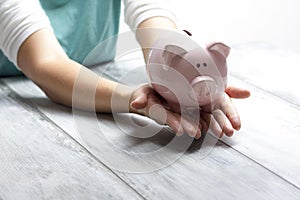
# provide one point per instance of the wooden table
(42, 156)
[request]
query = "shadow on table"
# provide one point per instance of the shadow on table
(131, 141)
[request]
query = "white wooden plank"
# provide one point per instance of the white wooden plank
(39, 161)
(223, 174)
(271, 115)
(270, 132)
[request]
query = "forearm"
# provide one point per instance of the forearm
(43, 61)
(69, 83)
(146, 36)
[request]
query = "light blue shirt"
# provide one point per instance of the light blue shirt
(79, 27)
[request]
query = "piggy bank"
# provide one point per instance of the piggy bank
(188, 78)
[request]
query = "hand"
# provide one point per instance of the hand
(146, 101)
(222, 116)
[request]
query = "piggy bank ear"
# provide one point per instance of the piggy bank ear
(171, 51)
(220, 48)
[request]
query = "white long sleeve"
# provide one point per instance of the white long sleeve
(136, 11)
(21, 18)
(18, 20)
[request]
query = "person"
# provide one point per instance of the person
(48, 40)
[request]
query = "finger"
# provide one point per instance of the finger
(204, 125)
(191, 120)
(238, 93)
(173, 120)
(231, 113)
(158, 113)
(209, 107)
(140, 102)
(206, 117)
(162, 116)
(191, 128)
(223, 122)
(212, 124)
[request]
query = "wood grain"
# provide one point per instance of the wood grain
(224, 174)
(270, 132)
(39, 161)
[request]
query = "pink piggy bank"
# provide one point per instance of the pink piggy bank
(188, 78)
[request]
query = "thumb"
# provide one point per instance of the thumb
(140, 102)
(238, 93)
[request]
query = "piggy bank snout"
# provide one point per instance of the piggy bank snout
(204, 88)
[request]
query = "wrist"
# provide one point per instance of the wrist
(146, 32)
(121, 99)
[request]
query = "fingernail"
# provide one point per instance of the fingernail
(198, 136)
(235, 119)
(180, 131)
(230, 133)
(194, 131)
(237, 124)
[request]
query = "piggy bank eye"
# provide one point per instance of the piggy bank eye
(204, 64)
(198, 65)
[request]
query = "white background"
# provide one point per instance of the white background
(241, 21)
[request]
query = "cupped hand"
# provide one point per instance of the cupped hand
(221, 118)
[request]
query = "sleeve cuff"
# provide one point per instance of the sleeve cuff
(138, 11)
